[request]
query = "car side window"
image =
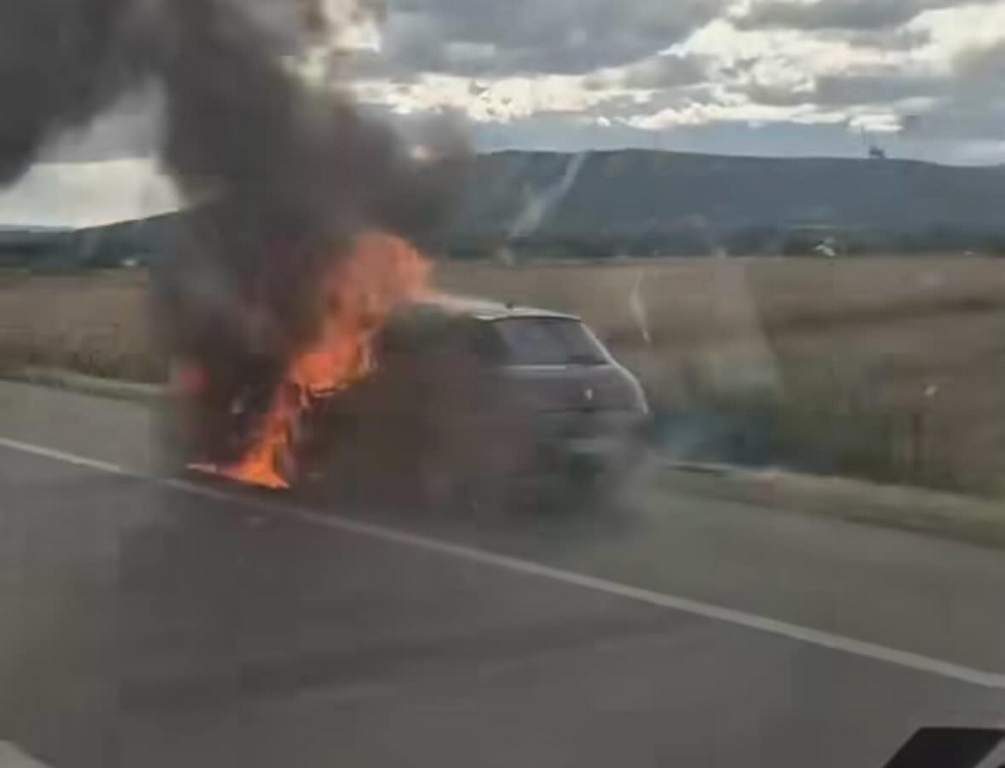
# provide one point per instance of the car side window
(484, 342)
(415, 332)
(548, 341)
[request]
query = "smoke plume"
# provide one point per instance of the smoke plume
(60, 63)
(280, 177)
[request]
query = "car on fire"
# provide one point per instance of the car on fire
(472, 399)
(465, 401)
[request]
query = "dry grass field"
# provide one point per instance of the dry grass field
(95, 323)
(885, 367)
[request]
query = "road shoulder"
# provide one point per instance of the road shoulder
(961, 518)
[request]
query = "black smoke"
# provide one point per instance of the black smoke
(279, 177)
(61, 62)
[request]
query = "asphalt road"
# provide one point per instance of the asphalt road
(151, 624)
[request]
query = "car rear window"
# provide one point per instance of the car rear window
(549, 341)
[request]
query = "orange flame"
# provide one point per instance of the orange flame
(381, 273)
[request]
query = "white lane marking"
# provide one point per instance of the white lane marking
(12, 757)
(66, 458)
(831, 641)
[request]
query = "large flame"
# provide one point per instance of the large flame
(358, 294)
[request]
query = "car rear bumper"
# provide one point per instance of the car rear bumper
(590, 439)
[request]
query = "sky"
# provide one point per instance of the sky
(919, 78)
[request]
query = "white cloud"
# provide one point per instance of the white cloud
(499, 100)
(811, 73)
(783, 54)
(953, 31)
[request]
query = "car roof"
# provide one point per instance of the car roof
(486, 309)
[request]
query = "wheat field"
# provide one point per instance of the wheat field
(883, 367)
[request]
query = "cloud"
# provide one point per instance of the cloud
(836, 14)
(979, 72)
(526, 70)
(897, 40)
(668, 71)
(415, 43)
(875, 88)
(478, 37)
(971, 106)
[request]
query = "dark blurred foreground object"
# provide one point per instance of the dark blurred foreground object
(947, 748)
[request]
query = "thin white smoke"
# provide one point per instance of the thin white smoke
(541, 205)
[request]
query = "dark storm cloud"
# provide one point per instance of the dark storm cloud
(838, 14)
(474, 37)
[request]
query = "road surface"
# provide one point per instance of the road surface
(151, 623)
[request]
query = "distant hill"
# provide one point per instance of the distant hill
(647, 203)
(639, 200)
(139, 242)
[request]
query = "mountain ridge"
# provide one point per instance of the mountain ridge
(643, 202)
(626, 195)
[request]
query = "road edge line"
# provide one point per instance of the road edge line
(808, 635)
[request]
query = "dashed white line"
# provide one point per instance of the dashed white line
(874, 651)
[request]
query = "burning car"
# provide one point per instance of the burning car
(414, 395)
(474, 400)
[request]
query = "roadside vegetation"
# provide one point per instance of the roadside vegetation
(884, 368)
